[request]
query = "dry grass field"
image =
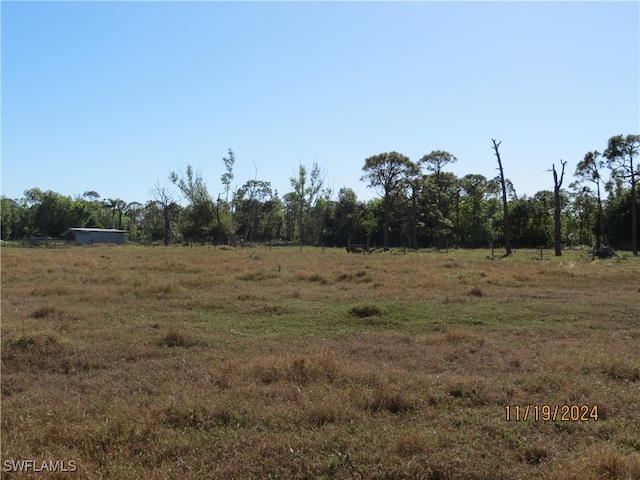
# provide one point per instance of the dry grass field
(196, 363)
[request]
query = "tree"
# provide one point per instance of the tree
(370, 218)
(290, 203)
(164, 199)
(588, 170)
(121, 206)
(91, 195)
(84, 205)
(474, 224)
(228, 207)
(617, 216)
(386, 172)
(49, 212)
(414, 182)
(272, 218)
(531, 220)
(583, 206)
(198, 215)
(81, 208)
(305, 200)
(8, 217)
(88, 207)
(434, 162)
(505, 206)
(251, 207)
(347, 215)
(557, 184)
(620, 155)
(228, 175)
(297, 198)
(439, 198)
(134, 212)
(217, 207)
(113, 205)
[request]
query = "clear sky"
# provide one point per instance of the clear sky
(112, 96)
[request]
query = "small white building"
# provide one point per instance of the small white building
(89, 236)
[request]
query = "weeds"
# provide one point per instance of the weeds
(411, 444)
(388, 399)
(364, 311)
(314, 277)
(34, 352)
(176, 338)
(535, 455)
(475, 292)
(201, 418)
(255, 276)
(621, 370)
(38, 345)
(44, 311)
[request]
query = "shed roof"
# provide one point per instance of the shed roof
(101, 230)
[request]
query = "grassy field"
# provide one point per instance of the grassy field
(163, 363)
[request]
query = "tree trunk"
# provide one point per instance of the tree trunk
(166, 225)
(216, 209)
(387, 215)
(556, 213)
(634, 214)
(414, 220)
(600, 219)
(507, 234)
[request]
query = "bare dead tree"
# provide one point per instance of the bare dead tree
(557, 184)
(507, 234)
(164, 199)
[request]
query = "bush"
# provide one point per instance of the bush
(176, 338)
(363, 311)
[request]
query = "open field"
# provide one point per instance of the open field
(178, 362)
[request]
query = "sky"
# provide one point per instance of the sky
(112, 96)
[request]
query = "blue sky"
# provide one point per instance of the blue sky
(112, 96)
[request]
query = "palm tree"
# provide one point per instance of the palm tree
(133, 211)
(112, 203)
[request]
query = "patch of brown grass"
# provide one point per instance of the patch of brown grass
(389, 398)
(314, 277)
(475, 292)
(255, 276)
(176, 338)
(411, 444)
(44, 311)
(38, 345)
(621, 369)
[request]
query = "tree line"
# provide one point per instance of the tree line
(419, 204)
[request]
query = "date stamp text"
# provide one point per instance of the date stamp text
(551, 413)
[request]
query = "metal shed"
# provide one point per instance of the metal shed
(89, 236)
